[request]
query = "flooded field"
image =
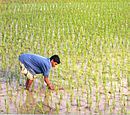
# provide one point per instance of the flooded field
(14, 99)
(92, 41)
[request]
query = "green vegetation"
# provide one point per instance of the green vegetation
(91, 38)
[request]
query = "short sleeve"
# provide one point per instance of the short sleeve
(46, 73)
(45, 67)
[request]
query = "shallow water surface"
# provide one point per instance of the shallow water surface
(15, 99)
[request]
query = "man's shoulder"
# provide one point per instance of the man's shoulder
(44, 60)
(47, 62)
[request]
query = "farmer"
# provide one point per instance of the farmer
(32, 64)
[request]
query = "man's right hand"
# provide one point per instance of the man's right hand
(51, 87)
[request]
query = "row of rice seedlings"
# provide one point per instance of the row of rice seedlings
(16, 32)
(75, 48)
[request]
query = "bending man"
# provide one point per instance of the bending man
(32, 64)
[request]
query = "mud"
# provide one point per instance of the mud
(15, 99)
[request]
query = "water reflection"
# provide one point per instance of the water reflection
(35, 104)
(44, 106)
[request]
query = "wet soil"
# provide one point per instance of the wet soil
(15, 99)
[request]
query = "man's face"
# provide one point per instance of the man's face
(54, 63)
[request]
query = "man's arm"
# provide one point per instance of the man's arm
(48, 83)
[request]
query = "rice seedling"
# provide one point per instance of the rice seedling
(68, 106)
(6, 106)
(57, 108)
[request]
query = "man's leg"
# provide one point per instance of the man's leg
(27, 74)
(28, 83)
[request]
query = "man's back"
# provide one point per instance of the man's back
(36, 64)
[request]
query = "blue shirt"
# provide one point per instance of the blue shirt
(36, 64)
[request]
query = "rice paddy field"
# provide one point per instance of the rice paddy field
(92, 40)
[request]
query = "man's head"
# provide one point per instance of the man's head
(55, 60)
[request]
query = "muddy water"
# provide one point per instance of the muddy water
(15, 99)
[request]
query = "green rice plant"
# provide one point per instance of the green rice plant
(57, 108)
(97, 100)
(111, 110)
(61, 96)
(91, 39)
(71, 97)
(7, 87)
(10, 94)
(123, 104)
(57, 89)
(78, 103)
(68, 106)
(7, 106)
(41, 108)
(113, 104)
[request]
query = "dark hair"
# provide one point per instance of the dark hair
(55, 58)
